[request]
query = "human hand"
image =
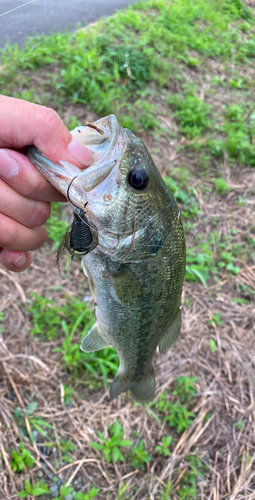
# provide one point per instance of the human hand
(25, 195)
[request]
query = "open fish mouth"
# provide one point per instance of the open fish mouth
(105, 140)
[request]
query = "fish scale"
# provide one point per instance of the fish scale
(136, 262)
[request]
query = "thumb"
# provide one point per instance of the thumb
(25, 123)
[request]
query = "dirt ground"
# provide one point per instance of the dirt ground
(223, 431)
(225, 384)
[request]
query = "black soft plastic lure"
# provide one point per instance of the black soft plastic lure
(81, 236)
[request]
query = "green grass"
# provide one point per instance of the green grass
(35, 421)
(191, 112)
(21, 459)
(65, 491)
(70, 323)
(111, 446)
(38, 489)
(108, 67)
(55, 225)
(177, 414)
(143, 63)
(177, 60)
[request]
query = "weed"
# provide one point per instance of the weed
(111, 447)
(199, 265)
(242, 202)
(68, 491)
(64, 491)
(188, 486)
(163, 448)
(166, 494)
(74, 360)
(239, 425)
(35, 421)
(192, 114)
(221, 186)
(56, 226)
(66, 447)
(239, 130)
(1, 319)
(46, 315)
(213, 345)
(185, 388)
(227, 260)
(37, 490)
(215, 320)
(21, 459)
(138, 456)
(121, 494)
(107, 67)
(179, 417)
(178, 194)
(51, 320)
(68, 392)
(82, 496)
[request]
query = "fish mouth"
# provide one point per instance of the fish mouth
(105, 139)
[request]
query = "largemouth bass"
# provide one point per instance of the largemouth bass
(135, 256)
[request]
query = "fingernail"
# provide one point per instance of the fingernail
(8, 166)
(20, 261)
(79, 152)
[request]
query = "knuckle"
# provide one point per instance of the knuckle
(39, 214)
(40, 237)
(9, 233)
(50, 116)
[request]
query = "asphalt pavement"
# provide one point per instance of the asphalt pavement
(43, 16)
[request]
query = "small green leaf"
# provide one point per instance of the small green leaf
(28, 486)
(37, 491)
(232, 268)
(101, 436)
(17, 413)
(97, 446)
(126, 442)
(107, 455)
(115, 440)
(31, 408)
(116, 454)
(212, 345)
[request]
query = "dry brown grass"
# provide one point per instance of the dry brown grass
(225, 387)
(225, 382)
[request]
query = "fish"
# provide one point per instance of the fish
(135, 257)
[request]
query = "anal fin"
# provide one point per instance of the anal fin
(94, 340)
(142, 390)
(118, 386)
(172, 334)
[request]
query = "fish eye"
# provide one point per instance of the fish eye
(138, 179)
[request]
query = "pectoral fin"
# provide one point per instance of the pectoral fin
(172, 334)
(126, 287)
(94, 340)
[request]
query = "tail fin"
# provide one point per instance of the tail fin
(142, 391)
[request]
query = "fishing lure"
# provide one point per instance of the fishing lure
(81, 236)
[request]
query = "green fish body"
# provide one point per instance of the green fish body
(136, 268)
